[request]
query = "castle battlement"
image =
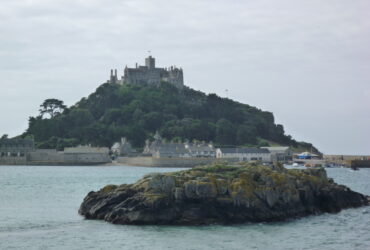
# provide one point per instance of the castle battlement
(149, 75)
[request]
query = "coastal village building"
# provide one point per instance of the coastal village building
(149, 74)
(16, 147)
(160, 149)
(171, 150)
(201, 149)
(280, 154)
(122, 148)
(244, 154)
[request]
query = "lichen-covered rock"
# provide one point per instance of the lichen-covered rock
(220, 194)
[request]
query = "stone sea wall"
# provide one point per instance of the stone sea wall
(60, 158)
(52, 157)
(16, 160)
(360, 163)
(164, 162)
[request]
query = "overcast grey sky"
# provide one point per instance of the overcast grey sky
(308, 62)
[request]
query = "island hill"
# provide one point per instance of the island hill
(149, 99)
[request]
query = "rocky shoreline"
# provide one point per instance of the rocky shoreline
(221, 194)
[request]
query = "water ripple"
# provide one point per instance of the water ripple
(38, 210)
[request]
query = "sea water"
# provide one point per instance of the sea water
(38, 210)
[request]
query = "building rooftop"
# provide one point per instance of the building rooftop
(244, 150)
(271, 149)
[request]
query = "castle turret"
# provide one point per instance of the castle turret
(150, 62)
(113, 77)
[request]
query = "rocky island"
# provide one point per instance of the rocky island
(221, 194)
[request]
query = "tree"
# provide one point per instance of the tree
(5, 136)
(52, 107)
(246, 135)
(225, 133)
(136, 112)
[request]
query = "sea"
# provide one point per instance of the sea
(39, 210)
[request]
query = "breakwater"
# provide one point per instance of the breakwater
(164, 162)
(361, 161)
(54, 158)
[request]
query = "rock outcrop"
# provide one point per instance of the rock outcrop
(221, 194)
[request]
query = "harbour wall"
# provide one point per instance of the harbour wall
(62, 158)
(13, 160)
(361, 161)
(52, 157)
(164, 162)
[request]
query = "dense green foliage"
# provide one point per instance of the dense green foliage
(114, 111)
(52, 107)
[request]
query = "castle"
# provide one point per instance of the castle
(149, 75)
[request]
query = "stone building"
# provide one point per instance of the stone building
(151, 147)
(16, 147)
(160, 149)
(149, 74)
(244, 154)
(171, 150)
(201, 149)
(122, 148)
(280, 154)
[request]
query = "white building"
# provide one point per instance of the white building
(244, 154)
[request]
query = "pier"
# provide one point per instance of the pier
(337, 160)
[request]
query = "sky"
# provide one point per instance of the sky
(308, 62)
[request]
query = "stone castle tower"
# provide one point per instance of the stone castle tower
(149, 74)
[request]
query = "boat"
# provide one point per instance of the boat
(354, 168)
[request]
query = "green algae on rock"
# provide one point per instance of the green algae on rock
(221, 194)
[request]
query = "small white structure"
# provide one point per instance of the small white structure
(280, 154)
(244, 154)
